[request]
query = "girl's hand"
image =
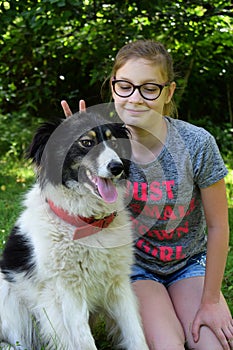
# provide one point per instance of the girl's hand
(218, 318)
(67, 111)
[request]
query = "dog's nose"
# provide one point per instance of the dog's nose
(115, 167)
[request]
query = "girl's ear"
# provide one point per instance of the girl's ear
(171, 90)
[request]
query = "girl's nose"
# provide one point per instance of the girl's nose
(136, 97)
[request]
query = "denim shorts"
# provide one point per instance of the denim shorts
(195, 267)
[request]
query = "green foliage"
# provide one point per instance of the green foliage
(53, 49)
(229, 189)
(228, 278)
(16, 132)
(15, 177)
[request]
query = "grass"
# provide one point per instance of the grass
(16, 176)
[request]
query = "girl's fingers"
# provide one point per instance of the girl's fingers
(82, 106)
(67, 111)
(66, 108)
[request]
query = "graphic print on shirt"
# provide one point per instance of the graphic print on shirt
(169, 221)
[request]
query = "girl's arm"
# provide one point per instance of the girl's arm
(213, 311)
(216, 213)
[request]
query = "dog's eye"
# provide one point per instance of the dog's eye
(87, 143)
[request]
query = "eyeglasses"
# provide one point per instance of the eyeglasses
(148, 91)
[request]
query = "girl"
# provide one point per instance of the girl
(178, 269)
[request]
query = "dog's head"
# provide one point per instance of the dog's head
(84, 153)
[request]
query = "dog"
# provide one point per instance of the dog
(69, 253)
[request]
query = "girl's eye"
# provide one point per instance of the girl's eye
(87, 143)
(150, 88)
(125, 87)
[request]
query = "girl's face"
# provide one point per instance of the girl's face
(135, 110)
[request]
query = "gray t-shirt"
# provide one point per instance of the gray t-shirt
(167, 212)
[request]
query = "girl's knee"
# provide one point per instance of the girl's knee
(166, 336)
(207, 340)
(167, 343)
(156, 346)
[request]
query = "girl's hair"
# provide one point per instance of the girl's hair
(151, 51)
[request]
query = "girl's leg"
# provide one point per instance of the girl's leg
(162, 328)
(186, 297)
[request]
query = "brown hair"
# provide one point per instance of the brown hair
(151, 51)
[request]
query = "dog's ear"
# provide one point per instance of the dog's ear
(40, 140)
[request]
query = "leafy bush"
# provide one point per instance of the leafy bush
(16, 133)
(55, 49)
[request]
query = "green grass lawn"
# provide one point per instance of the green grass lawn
(17, 176)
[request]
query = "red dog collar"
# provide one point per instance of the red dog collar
(84, 226)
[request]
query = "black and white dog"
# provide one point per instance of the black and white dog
(70, 251)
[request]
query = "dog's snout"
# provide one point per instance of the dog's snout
(115, 167)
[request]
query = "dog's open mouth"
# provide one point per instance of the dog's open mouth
(104, 187)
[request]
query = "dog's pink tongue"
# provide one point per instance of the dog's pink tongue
(107, 190)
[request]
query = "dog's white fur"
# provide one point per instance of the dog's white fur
(50, 305)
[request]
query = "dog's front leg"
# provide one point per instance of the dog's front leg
(65, 322)
(125, 313)
(76, 317)
(16, 320)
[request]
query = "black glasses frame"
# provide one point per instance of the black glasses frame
(160, 86)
